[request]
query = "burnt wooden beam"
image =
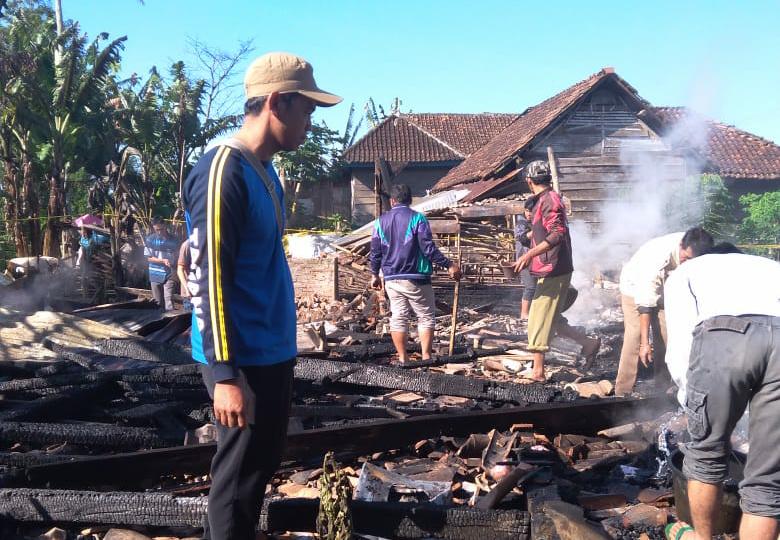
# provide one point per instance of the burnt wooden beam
(94, 435)
(55, 406)
(129, 469)
(187, 375)
(116, 508)
(139, 349)
(388, 520)
(430, 383)
(404, 520)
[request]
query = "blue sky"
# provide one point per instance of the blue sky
(722, 58)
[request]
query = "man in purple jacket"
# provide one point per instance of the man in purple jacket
(402, 248)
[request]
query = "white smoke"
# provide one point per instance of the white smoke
(659, 198)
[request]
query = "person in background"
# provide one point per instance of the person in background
(641, 290)
(182, 269)
(549, 260)
(402, 247)
(87, 246)
(522, 246)
(724, 356)
(160, 253)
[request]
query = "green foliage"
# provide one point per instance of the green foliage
(316, 159)
(334, 520)
(335, 222)
(719, 207)
(761, 224)
(375, 114)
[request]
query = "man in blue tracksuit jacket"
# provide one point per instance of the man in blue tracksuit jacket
(402, 248)
(243, 328)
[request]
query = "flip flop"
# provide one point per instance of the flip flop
(682, 530)
(416, 363)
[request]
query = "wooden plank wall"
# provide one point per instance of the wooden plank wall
(602, 151)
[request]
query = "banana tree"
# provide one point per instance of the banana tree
(79, 92)
(21, 130)
(186, 129)
(64, 98)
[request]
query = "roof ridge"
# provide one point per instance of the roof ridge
(461, 114)
(367, 133)
(714, 122)
(744, 133)
(571, 95)
(438, 140)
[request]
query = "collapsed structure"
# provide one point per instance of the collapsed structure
(104, 419)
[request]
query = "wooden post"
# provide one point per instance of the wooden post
(553, 170)
(455, 298)
(555, 183)
(377, 188)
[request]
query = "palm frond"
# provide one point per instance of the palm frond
(95, 79)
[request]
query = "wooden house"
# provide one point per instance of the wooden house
(606, 142)
(605, 138)
(419, 150)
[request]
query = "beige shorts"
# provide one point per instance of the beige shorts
(408, 296)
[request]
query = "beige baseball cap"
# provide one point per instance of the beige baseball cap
(285, 73)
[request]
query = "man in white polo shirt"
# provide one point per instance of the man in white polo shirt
(641, 289)
(723, 318)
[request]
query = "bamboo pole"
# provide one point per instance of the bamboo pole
(455, 298)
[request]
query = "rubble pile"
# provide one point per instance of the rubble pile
(111, 427)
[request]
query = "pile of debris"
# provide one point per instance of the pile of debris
(104, 421)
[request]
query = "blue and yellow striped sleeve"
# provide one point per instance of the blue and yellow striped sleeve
(215, 196)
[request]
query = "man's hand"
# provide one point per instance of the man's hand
(455, 272)
(229, 404)
(376, 283)
(645, 354)
(522, 262)
(166, 262)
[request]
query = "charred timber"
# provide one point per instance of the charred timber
(429, 383)
(86, 434)
(61, 367)
(130, 469)
(405, 520)
(389, 520)
(50, 391)
(145, 412)
(146, 392)
(166, 353)
(69, 506)
(22, 460)
(67, 379)
(167, 379)
(55, 406)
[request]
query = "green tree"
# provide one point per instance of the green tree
(62, 98)
(375, 114)
(761, 224)
(185, 128)
(719, 210)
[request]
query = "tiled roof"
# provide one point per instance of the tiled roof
(427, 137)
(729, 151)
(504, 146)
(466, 133)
